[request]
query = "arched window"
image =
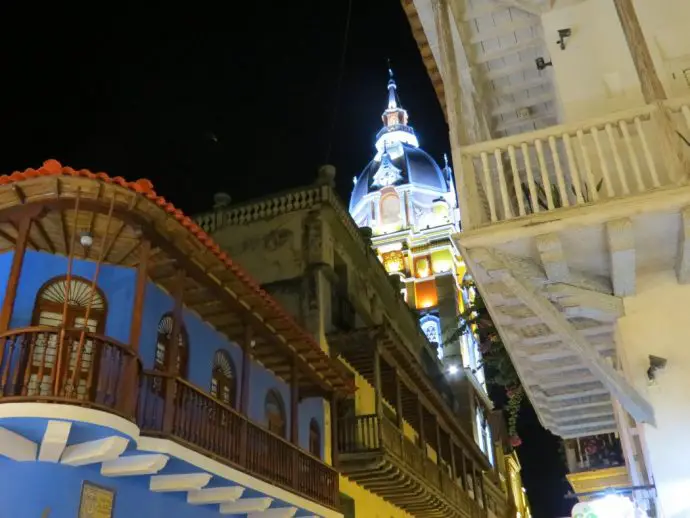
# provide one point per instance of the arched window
(223, 378)
(49, 310)
(390, 208)
(275, 412)
(165, 328)
(314, 438)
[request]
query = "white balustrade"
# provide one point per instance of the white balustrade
(568, 165)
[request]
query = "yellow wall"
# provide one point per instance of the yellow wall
(368, 505)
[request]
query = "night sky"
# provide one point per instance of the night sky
(201, 99)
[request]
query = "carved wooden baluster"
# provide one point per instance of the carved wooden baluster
(591, 184)
(632, 155)
(517, 183)
(532, 187)
(546, 182)
(560, 177)
(649, 159)
(603, 163)
(617, 159)
(6, 357)
(498, 157)
(572, 166)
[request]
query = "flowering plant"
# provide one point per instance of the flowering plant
(498, 367)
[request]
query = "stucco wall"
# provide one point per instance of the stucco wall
(27, 489)
(595, 74)
(117, 283)
(656, 322)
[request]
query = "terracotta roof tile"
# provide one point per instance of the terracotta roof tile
(145, 187)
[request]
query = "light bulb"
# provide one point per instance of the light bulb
(86, 240)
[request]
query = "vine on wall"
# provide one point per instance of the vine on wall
(498, 367)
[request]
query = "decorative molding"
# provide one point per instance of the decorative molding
(215, 495)
(277, 512)
(54, 441)
(91, 452)
(179, 482)
(17, 447)
(134, 465)
(246, 505)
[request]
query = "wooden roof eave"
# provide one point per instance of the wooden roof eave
(165, 232)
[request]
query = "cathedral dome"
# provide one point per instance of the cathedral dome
(400, 164)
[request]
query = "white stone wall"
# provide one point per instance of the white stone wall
(595, 74)
(657, 322)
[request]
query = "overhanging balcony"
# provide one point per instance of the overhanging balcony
(197, 420)
(527, 177)
(39, 364)
(375, 454)
(558, 223)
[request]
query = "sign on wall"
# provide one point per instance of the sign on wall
(96, 501)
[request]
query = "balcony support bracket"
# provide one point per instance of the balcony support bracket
(638, 407)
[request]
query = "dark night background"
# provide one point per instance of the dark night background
(219, 96)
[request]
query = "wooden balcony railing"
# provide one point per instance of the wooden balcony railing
(68, 366)
(615, 156)
(370, 434)
(192, 417)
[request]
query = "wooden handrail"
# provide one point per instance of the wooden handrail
(561, 129)
(91, 373)
(204, 423)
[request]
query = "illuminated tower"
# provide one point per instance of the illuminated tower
(411, 206)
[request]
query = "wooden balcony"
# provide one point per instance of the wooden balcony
(528, 176)
(40, 364)
(173, 408)
(375, 454)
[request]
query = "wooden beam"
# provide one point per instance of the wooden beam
(108, 250)
(621, 243)
(632, 401)
(652, 88)
(683, 260)
(579, 302)
(13, 277)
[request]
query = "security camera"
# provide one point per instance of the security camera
(656, 363)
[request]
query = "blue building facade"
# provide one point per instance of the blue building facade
(96, 418)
